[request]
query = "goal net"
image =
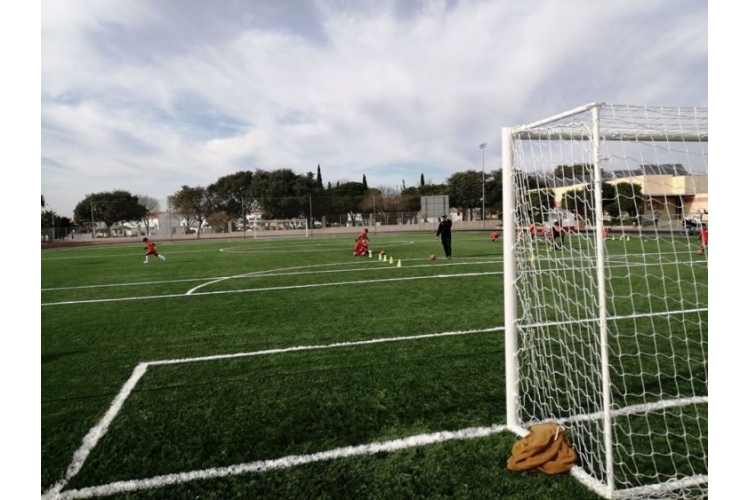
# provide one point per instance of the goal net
(607, 324)
(262, 228)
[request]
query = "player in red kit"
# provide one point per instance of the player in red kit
(362, 246)
(151, 250)
(704, 237)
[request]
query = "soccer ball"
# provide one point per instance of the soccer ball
(700, 251)
(432, 256)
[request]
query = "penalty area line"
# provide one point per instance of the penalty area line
(99, 430)
(281, 463)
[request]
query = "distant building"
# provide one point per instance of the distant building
(669, 190)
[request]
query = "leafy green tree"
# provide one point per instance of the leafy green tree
(48, 219)
(580, 202)
(346, 198)
(307, 188)
(433, 190)
(575, 170)
(192, 203)
(627, 198)
(109, 207)
(541, 201)
(411, 200)
(421, 180)
(55, 226)
(493, 192)
(232, 194)
(319, 180)
(282, 193)
(465, 191)
(364, 181)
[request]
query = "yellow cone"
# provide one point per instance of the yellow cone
(380, 256)
(391, 261)
(399, 263)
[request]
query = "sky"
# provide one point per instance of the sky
(148, 96)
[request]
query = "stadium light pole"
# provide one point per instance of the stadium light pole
(482, 146)
(93, 227)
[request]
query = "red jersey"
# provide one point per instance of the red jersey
(151, 248)
(704, 236)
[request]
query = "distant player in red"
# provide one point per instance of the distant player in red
(703, 234)
(150, 249)
(362, 247)
(494, 236)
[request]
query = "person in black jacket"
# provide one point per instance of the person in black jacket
(444, 233)
(556, 233)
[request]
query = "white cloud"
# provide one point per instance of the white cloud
(148, 96)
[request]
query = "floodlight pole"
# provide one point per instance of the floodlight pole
(482, 146)
(93, 227)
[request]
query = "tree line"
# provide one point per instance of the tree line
(282, 194)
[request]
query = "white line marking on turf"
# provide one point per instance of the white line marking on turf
(95, 433)
(267, 289)
(138, 283)
(321, 346)
(286, 271)
(99, 430)
(282, 463)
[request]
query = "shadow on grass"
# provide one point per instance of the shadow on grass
(48, 358)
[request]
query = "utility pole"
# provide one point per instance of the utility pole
(482, 146)
(93, 227)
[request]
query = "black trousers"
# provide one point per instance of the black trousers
(446, 246)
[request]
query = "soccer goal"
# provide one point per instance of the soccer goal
(607, 325)
(261, 228)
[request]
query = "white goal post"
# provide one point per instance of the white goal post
(606, 327)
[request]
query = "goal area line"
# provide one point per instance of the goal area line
(55, 492)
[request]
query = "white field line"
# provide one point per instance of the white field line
(280, 463)
(268, 289)
(100, 429)
(137, 283)
(322, 346)
(286, 272)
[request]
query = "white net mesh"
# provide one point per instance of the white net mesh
(611, 326)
